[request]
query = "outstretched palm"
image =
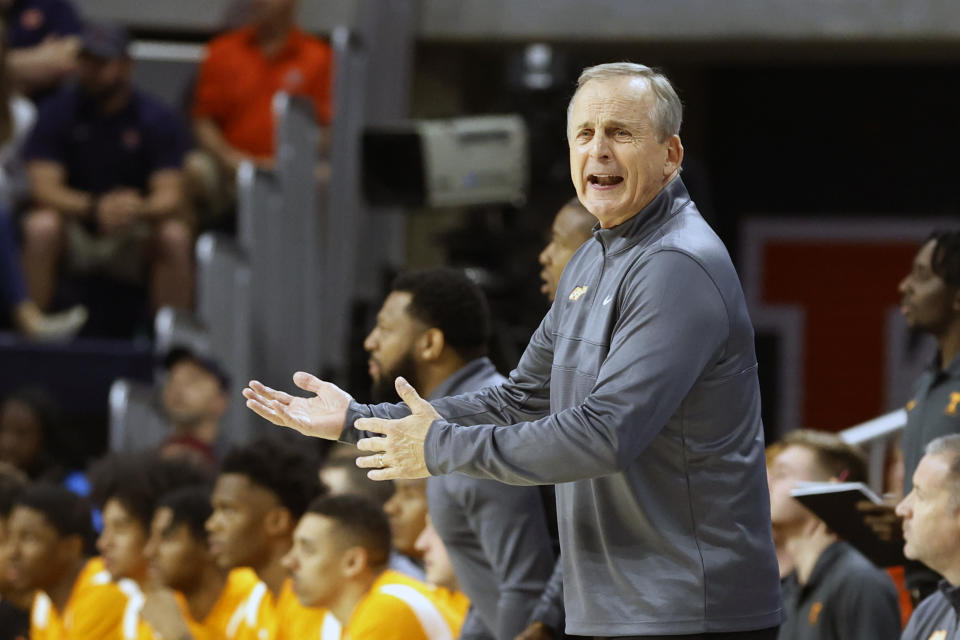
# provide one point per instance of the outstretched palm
(319, 416)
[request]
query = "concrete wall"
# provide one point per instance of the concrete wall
(583, 20)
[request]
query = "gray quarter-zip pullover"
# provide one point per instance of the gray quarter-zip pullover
(638, 397)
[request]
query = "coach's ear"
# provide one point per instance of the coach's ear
(674, 157)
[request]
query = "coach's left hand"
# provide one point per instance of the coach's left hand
(398, 455)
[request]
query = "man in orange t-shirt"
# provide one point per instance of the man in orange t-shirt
(232, 107)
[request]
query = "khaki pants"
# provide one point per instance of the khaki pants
(121, 256)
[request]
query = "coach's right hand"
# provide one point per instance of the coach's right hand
(320, 416)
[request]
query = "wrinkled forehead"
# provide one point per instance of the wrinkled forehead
(933, 474)
(625, 98)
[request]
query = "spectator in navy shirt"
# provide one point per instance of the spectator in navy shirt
(104, 162)
(44, 38)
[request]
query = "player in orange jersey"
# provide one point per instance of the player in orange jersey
(196, 596)
(50, 534)
(339, 562)
(262, 490)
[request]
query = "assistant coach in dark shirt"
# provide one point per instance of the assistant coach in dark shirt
(931, 528)
(104, 162)
(433, 329)
(839, 594)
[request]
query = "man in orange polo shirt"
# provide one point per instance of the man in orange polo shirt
(232, 114)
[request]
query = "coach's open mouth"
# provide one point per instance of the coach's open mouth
(604, 179)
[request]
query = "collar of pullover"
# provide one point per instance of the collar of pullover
(951, 370)
(952, 594)
(475, 367)
(663, 207)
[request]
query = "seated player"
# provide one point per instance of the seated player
(439, 569)
(50, 534)
(196, 596)
(339, 562)
(341, 475)
(127, 488)
(407, 513)
(262, 490)
(14, 603)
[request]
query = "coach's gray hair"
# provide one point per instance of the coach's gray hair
(949, 445)
(667, 111)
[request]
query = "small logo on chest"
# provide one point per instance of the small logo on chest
(577, 293)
